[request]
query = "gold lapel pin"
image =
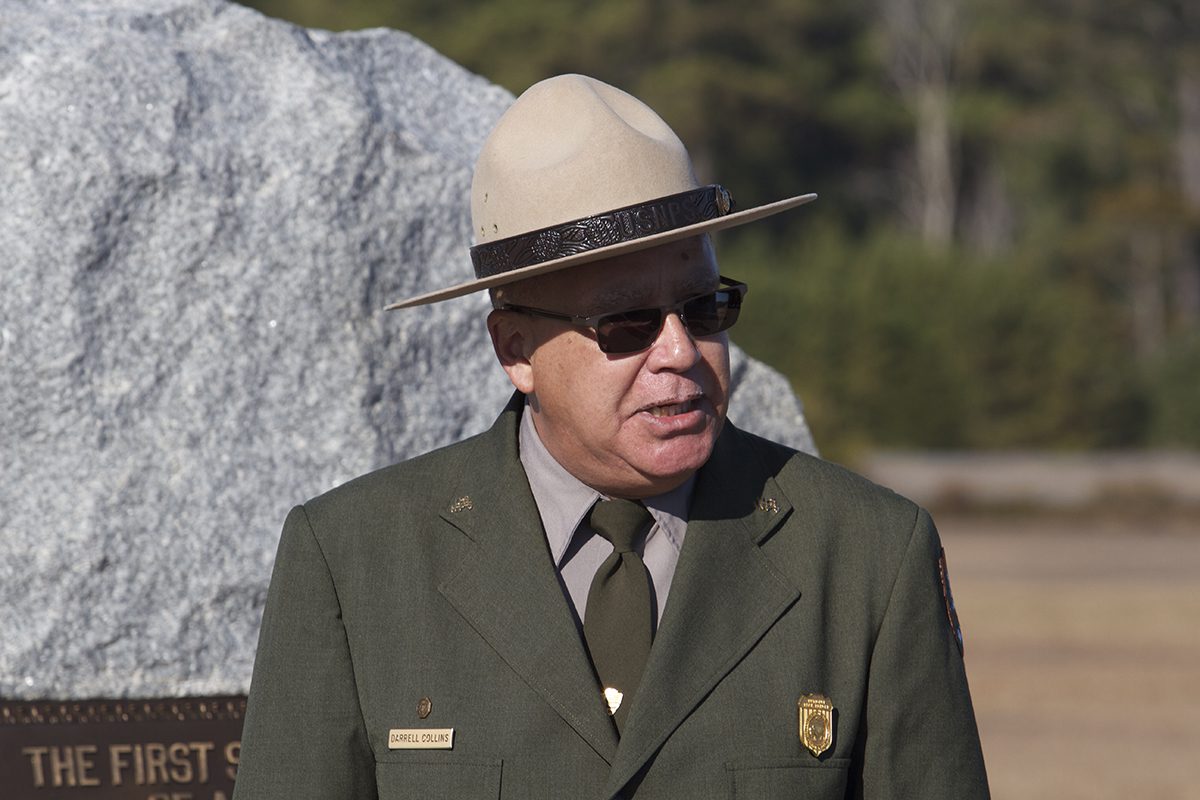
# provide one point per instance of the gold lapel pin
(768, 504)
(463, 503)
(816, 722)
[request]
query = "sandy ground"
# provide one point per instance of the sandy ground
(1083, 653)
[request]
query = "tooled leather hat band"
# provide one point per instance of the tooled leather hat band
(602, 230)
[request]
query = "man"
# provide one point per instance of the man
(613, 592)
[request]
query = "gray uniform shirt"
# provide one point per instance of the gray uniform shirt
(563, 502)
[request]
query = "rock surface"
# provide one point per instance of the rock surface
(202, 213)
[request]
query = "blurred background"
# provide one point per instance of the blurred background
(994, 306)
(1006, 253)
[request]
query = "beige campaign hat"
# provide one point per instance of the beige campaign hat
(576, 171)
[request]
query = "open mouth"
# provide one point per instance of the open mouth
(672, 409)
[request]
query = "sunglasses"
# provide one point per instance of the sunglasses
(633, 331)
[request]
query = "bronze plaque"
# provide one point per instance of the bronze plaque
(174, 749)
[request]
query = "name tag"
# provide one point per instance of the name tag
(421, 739)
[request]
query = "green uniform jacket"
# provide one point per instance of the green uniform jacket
(432, 579)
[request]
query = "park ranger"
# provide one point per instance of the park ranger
(614, 592)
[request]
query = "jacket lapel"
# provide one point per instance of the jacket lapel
(725, 595)
(507, 590)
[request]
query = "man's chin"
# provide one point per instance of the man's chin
(678, 458)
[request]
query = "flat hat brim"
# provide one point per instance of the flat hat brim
(707, 226)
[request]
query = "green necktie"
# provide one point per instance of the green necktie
(618, 621)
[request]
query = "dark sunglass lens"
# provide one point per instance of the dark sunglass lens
(711, 313)
(628, 332)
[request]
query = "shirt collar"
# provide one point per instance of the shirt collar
(563, 500)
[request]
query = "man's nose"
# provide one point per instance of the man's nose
(674, 349)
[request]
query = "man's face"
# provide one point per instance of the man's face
(630, 425)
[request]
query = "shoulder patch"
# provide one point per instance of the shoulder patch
(948, 599)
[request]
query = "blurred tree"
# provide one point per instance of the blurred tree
(923, 38)
(1186, 56)
(893, 344)
(1091, 127)
(1175, 394)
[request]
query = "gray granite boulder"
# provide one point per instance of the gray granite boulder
(202, 213)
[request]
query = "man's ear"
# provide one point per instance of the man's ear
(513, 342)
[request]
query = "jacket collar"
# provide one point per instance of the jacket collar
(724, 596)
(507, 590)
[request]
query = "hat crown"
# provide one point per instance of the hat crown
(572, 147)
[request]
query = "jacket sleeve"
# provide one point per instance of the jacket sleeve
(920, 734)
(304, 735)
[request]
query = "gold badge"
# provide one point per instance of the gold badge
(816, 722)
